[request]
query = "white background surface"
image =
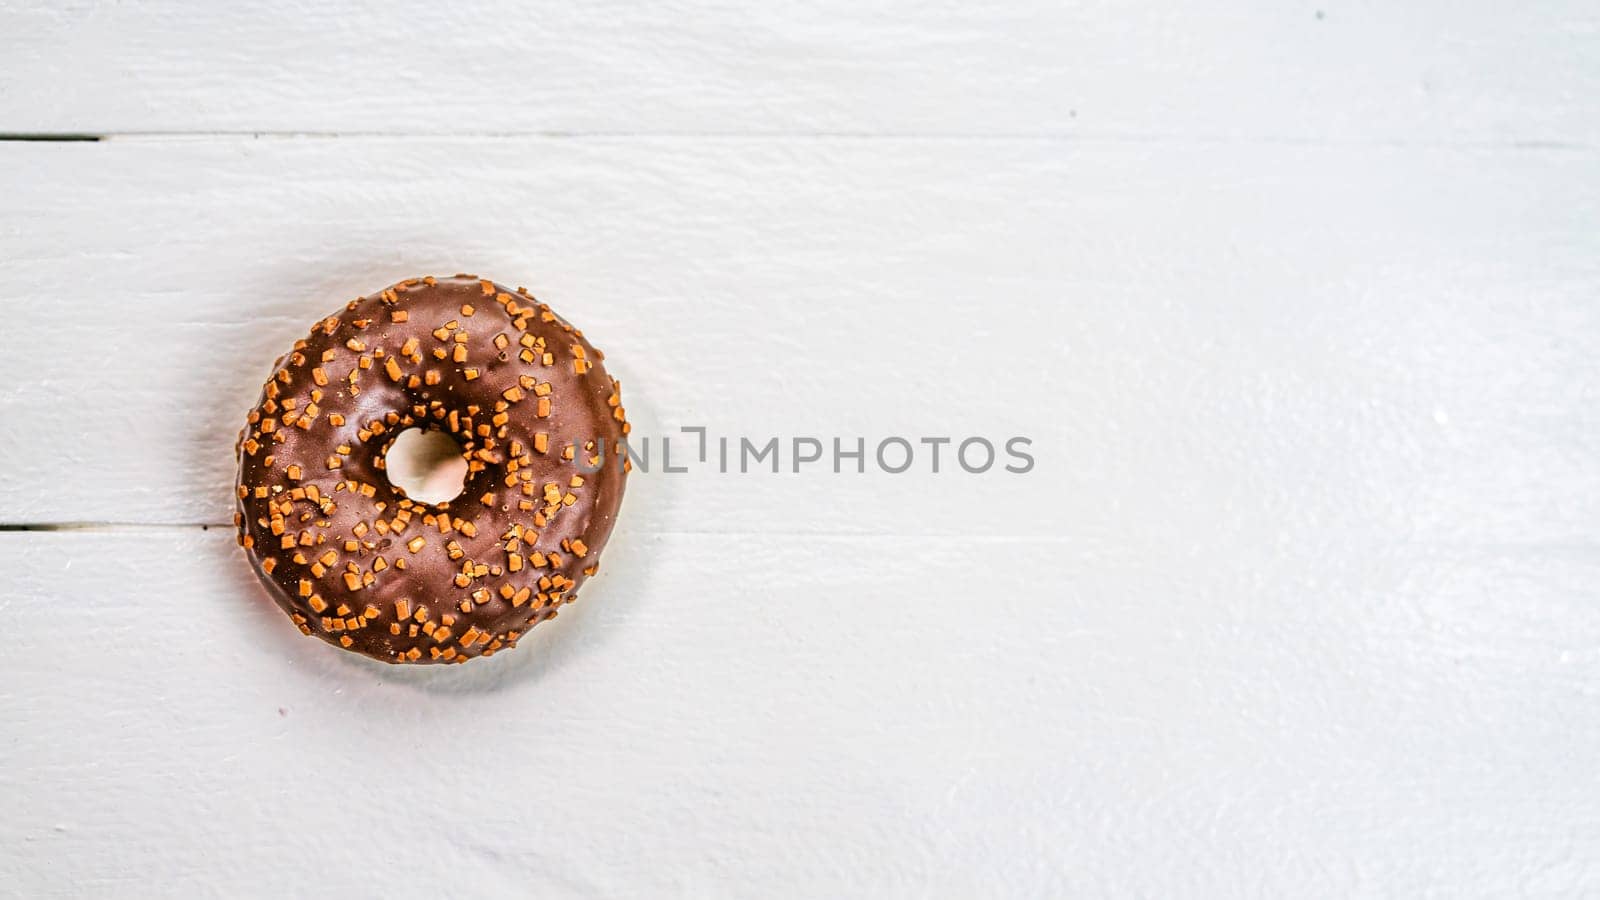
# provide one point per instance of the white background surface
(1297, 301)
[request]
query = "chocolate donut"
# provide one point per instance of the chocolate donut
(356, 562)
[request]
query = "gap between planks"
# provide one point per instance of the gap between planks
(111, 527)
(1156, 139)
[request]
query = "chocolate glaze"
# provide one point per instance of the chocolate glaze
(355, 562)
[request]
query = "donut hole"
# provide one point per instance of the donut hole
(427, 465)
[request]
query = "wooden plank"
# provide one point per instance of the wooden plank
(914, 716)
(1431, 72)
(1208, 346)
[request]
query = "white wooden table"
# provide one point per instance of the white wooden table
(1299, 302)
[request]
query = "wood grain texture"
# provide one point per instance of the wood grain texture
(1296, 303)
(1432, 71)
(957, 720)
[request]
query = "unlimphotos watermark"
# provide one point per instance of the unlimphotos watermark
(891, 455)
